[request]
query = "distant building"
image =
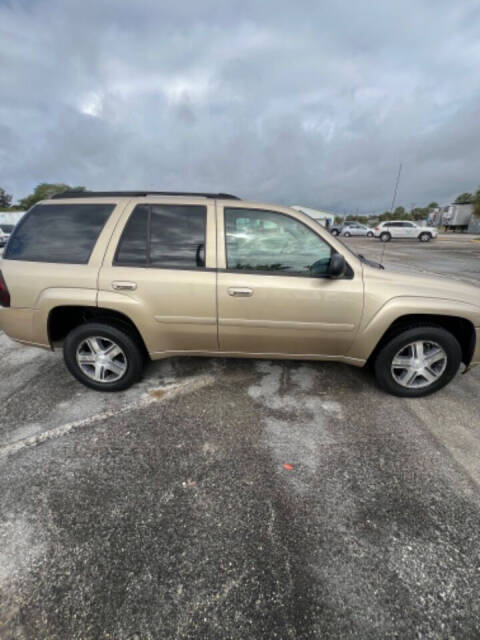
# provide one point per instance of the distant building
(323, 217)
(10, 217)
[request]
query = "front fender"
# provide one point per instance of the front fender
(374, 326)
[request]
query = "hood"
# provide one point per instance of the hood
(405, 283)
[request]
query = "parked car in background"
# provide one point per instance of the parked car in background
(352, 228)
(336, 229)
(356, 229)
(403, 229)
(5, 231)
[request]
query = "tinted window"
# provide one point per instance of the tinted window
(164, 236)
(132, 248)
(63, 233)
(177, 236)
(266, 241)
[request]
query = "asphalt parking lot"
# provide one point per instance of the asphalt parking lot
(167, 512)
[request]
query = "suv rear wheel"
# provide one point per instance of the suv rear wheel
(385, 236)
(104, 357)
(418, 361)
(334, 232)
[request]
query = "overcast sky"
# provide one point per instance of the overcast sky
(295, 102)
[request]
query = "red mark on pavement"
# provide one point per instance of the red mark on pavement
(288, 467)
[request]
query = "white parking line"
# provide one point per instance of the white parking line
(156, 394)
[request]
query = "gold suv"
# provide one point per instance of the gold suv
(119, 277)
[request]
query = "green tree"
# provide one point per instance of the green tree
(5, 199)
(464, 197)
(476, 203)
(44, 191)
(433, 205)
(419, 213)
(401, 214)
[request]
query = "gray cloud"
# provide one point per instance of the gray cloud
(310, 102)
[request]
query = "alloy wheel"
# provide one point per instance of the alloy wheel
(419, 364)
(101, 359)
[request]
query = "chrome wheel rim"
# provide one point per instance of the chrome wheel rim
(419, 364)
(101, 359)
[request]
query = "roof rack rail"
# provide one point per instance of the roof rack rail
(138, 194)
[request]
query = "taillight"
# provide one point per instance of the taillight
(377, 228)
(4, 292)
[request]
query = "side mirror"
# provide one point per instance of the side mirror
(337, 266)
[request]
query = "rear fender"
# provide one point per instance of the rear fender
(51, 298)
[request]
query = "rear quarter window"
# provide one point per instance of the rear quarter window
(63, 233)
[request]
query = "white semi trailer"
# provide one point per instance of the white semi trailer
(457, 217)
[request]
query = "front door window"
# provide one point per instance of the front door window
(269, 242)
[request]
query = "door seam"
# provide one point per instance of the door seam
(216, 276)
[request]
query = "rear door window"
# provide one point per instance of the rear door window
(63, 233)
(177, 236)
(132, 248)
(164, 236)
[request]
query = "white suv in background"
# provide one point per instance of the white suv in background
(404, 229)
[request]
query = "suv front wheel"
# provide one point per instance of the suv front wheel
(425, 237)
(104, 357)
(418, 361)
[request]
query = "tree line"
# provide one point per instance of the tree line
(42, 191)
(46, 190)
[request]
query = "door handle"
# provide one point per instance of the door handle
(240, 292)
(124, 285)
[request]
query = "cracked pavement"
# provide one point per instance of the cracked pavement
(166, 511)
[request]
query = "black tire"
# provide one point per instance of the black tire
(370, 234)
(334, 232)
(347, 234)
(385, 237)
(121, 336)
(383, 360)
(425, 237)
